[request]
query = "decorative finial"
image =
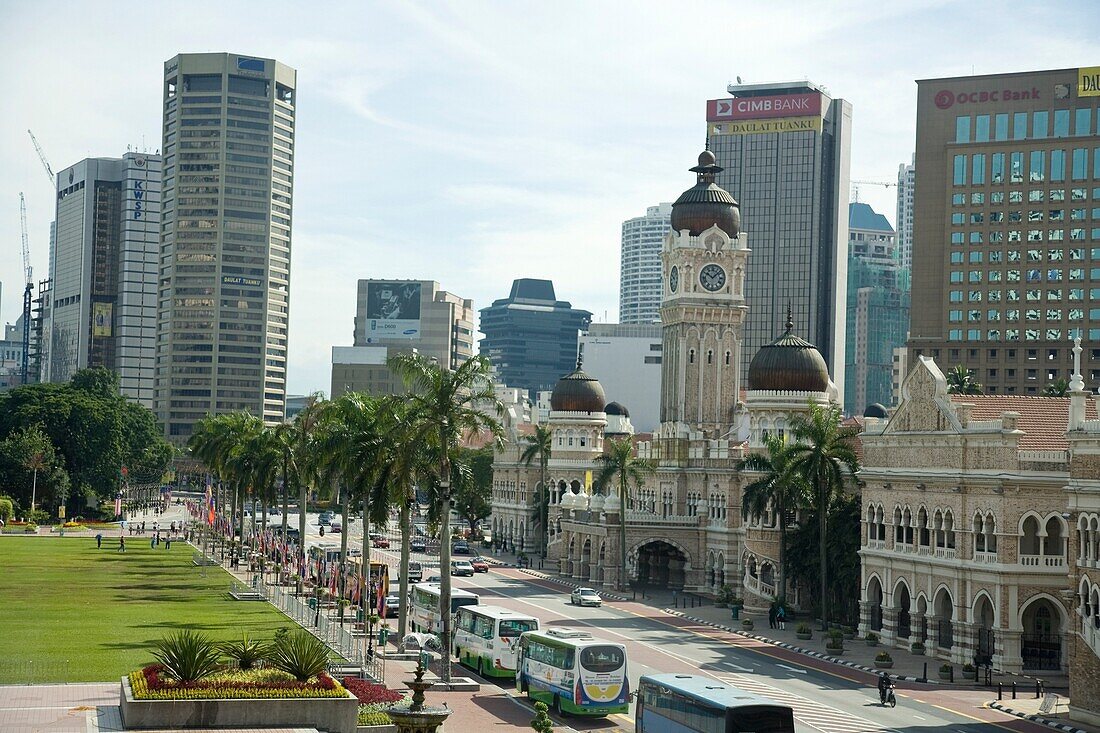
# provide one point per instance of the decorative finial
(1076, 382)
(790, 318)
(580, 359)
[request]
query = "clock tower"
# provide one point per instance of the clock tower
(703, 261)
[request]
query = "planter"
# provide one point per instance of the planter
(376, 729)
(848, 636)
(884, 665)
(945, 676)
(720, 604)
(871, 642)
(836, 651)
(804, 636)
(747, 625)
(337, 715)
(970, 675)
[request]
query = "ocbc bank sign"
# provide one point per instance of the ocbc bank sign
(946, 99)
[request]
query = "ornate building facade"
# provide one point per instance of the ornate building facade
(980, 530)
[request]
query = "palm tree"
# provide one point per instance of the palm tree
(1058, 388)
(619, 466)
(442, 413)
(779, 488)
(538, 445)
(299, 438)
(961, 380)
(822, 453)
(217, 441)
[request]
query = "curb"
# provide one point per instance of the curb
(570, 584)
(1037, 719)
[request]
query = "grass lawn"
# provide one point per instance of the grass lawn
(72, 613)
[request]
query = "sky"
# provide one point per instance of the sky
(474, 142)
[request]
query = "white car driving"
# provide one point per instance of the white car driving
(585, 597)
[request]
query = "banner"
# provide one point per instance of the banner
(393, 311)
(1088, 82)
(101, 319)
(762, 127)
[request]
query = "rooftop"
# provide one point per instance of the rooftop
(1043, 419)
(862, 216)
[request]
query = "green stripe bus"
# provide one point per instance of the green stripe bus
(486, 638)
(573, 672)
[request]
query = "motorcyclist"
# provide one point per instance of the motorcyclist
(883, 686)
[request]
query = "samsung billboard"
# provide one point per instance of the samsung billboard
(393, 311)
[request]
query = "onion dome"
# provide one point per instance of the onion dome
(876, 410)
(789, 364)
(706, 204)
(577, 392)
(614, 408)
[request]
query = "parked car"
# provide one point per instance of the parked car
(433, 579)
(480, 565)
(585, 597)
(377, 540)
(393, 606)
(324, 518)
(335, 527)
(416, 572)
(274, 511)
(460, 548)
(418, 544)
(461, 567)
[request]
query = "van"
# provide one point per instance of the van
(416, 572)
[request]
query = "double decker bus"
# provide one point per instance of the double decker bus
(424, 608)
(486, 638)
(573, 672)
(687, 703)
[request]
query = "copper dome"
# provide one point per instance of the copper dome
(789, 364)
(577, 392)
(706, 204)
(614, 408)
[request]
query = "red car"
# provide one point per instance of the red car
(480, 566)
(377, 540)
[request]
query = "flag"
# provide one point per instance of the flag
(209, 501)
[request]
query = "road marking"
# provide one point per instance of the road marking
(740, 669)
(811, 712)
(793, 669)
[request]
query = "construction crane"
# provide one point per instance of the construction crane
(27, 291)
(857, 184)
(42, 157)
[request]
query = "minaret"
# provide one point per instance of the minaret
(703, 261)
(1077, 395)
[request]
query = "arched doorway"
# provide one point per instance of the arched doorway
(945, 614)
(902, 604)
(1041, 642)
(661, 565)
(984, 647)
(922, 617)
(586, 560)
(874, 601)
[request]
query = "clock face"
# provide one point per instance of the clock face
(712, 277)
(674, 279)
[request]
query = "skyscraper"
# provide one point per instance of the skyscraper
(103, 272)
(878, 309)
(785, 152)
(225, 260)
(531, 336)
(907, 177)
(640, 265)
(1006, 226)
(401, 316)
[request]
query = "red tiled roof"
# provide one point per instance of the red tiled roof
(855, 422)
(1043, 419)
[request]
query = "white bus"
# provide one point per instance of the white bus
(573, 672)
(424, 608)
(486, 638)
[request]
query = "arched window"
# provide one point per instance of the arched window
(1030, 540)
(924, 539)
(727, 358)
(899, 529)
(1053, 543)
(990, 526)
(691, 356)
(979, 533)
(710, 356)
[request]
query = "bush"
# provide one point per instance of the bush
(945, 668)
(38, 516)
(542, 722)
(148, 684)
(871, 636)
(917, 646)
(187, 656)
(370, 693)
(7, 508)
(246, 651)
(301, 655)
(883, 657)
(968, 667)
(803, 628)
(373, 715)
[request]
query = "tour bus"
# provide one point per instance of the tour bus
(573, 672)
(679, 703)
(424, 614)
(486, 638)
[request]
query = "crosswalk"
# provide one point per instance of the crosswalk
(809, 712)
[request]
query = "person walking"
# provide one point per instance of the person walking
(168, 543)
(153, 543)
(781, 617)
(99, 541)
(121, 543)
(771, 617)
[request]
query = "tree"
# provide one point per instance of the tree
(33, 469)
(472, 482)
(297, 438)
(779, 488)
(961, 380)
(618, 466)
(822, 453)
(442, 413)
(842, 543)
(221, 442)
(1058, 388)
(538, 446)
(542, 722)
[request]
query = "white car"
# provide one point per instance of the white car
(585, 597)
(393, 606)
(461, 567)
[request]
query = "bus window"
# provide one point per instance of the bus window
(601, 658)
(512, 629)
(761, 720)
(482, 627)
(457, 603)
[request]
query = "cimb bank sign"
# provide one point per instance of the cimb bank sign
(757, 108)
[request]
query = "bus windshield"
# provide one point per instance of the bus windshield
(457, 603)
(510, 629)
(603, 658)
(760, 719)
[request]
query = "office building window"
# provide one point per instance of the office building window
(1080, 164)
(1001, 125)
(1019, 126)
(998, 172)
(978, 168)
(962, 129)
(1037, 168)
(1039, 122)
(960, 169)
(1061, 123)
(1057, 165)
(1083, 121)
(981, 129)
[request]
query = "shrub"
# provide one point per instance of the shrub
(246, 651)
(7, 508)
(373, 715)
(148, 684)
(300, 654)
(945, 668)
(917, 646)
(835, 639)
(370, 693)
(803, 628)
(883, 657)
(968, 667)
(872, 636)
(187, 656)
(542, 723)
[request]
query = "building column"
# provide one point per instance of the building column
(1010, 653)
(864, 618)
(889, 633)
(966, 642)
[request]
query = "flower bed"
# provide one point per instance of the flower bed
(370, 693)
(149, 684)
(19, 528)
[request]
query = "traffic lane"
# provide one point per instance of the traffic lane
(728, 657)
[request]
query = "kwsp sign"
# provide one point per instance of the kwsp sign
(139, 194)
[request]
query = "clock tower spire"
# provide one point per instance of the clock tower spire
(703, 261)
